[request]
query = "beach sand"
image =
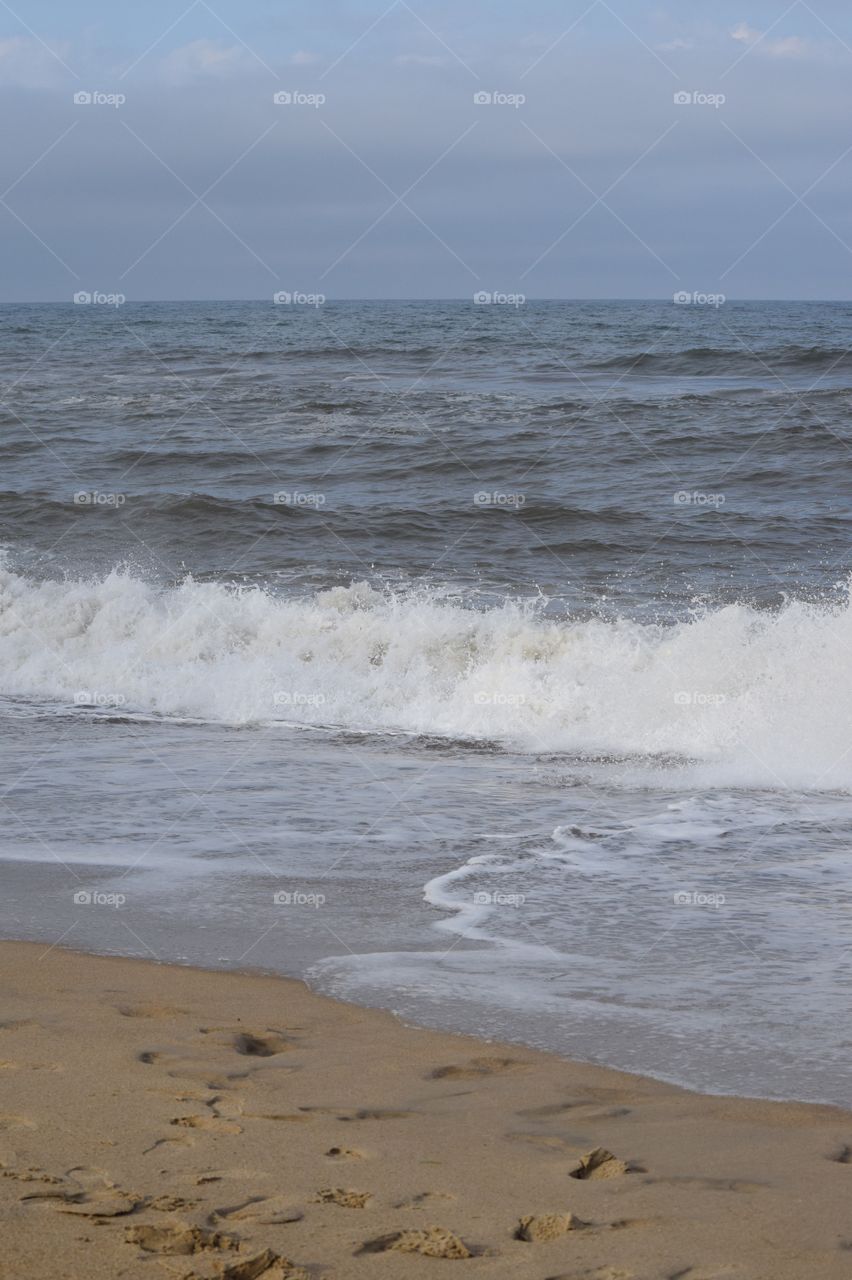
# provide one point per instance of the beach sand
(164, 1122)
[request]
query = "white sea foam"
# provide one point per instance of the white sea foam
(755, 698)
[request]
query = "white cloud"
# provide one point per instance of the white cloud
(674, 46)
(745, 34)
(785, 47)
(789, 47)
(302, 58)
(204, 58)
(28, 63)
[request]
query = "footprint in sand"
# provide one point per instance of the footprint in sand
(149, 1011)
(477, 1068)
(179, 1140)
(32, 1174)
(434, 1242)
(707, 1184)
(597, 1165)
(89, 1193)
(226, 1106)
(271, 1211)
(550, 1142)
(554, 1110)
(253, 1044)
(171, 1204)
(340, 1196)
(179, 1238)
(424, 1200)
(211, 1124)
(538, 1228)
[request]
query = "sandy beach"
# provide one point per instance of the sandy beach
(166, 1121)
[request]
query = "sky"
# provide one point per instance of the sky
(423, 148)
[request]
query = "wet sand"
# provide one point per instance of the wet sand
(159, 1121)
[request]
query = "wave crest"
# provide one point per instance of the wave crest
(761, 697)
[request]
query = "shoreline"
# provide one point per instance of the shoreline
(164, 1120)
(412, 1023)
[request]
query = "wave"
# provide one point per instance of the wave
(734, 360)
(757, 698)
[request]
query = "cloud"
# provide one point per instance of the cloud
(28, 63)
(745, 34)
(674, 46)
(302, 58)
(419, 60)
(789, 47)
(202, 58)
(786, 47)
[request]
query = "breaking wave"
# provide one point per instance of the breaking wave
(757, 698)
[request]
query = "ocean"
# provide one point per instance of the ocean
(488, 663)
